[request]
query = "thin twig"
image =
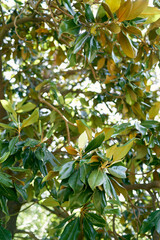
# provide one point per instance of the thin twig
(62, 116)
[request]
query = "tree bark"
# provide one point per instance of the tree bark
(13, 208)
(2, 111)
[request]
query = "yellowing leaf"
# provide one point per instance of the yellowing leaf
(114, 27)
(107, 131)
(110, 151)
(134, 30)
(31, 119)
(127, 46)
(8, 107)
(154, 110)
(26, 107)
(124, 10)
(82, 140)
(136, 108)
(49, 176)
(113, 4)
(151, 13)
(121, 152)
(100, 63)
(82, 126)
(71, 150)
(50, 202)
(42, 30)
(111, 66)
(94, 158)
(138, 7)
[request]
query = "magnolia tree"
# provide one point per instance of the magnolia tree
(79, 129)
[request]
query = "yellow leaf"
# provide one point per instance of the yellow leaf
(31, 119)
(127, 46)
(100, 63)
(113, 4)
(124, 10)
(71, 150)
(151, 13)
(109, 79)
(82, 140)
(8, 107)
(108, 10)
(114, 27)
(94, 158)
(107, 131)
(136, 108)
(110, 151)
(111, 66)
(134, 30)
(120, 152)
(26, 107)
(49, 176)
(154, 110)
(138, 7)
(42, 30)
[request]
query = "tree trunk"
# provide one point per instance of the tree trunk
(2, 111)
(13, 208)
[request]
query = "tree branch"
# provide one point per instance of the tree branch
(31, 234)
(148, 186)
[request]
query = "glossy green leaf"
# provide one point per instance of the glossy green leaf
(152, 221)
(5, 234)
(63, 222)
(79, 199)
(12, 144)
(96, 178)
(96, 219)
(80, 41)
(50, 202)
(5, 179)
(84, 171)
(75, 183)
(89, 230)
(66, 170)
(99, 200)
(88, 13)
(115, 211)
(6, 126)
(69, 26)
(3, 204)
(8, 107)
(4, 157)
(95, 143)
(31, 119)
(117, 171)
(72, 230)
(68, 6)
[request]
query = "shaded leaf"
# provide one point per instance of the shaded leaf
(88, 13)
(5, 234)
(72, 230)
(96, 178)
(89, 231)
(99, 200)
(31, 119)
(75, 183)
(95, 143)
(69, 26)
(66, 170)
(96, 219)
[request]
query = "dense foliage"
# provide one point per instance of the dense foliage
(79, 118)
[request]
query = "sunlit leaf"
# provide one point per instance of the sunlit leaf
(31, 119)
(114, 5)
(127, 45)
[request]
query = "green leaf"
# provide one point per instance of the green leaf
(80, 41)
(9, 193)
(109, 189)
(70, 27)
(75, 182)
(95, 143)
(92, 49)
(71, 230)
(68, 6)
(8, 107)
(96, 178)
(121, 151)
(50, 202)
(99, 200)
(5, 234)
(63, 222)
(12, 144)
(84, 171)
(115, 211)
(151, 221)
(31, 119)
(118, 171)
(5, 179)
(6, 126)
(79, 199)
(66, 170)
(3, 203)
(4, 157)
(26, 107)
(96, 219)
(88, 13)
(89, 231)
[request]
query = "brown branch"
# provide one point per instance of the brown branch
(31, 234)
(7, 27)
(62, 116)
(147, 186)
